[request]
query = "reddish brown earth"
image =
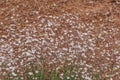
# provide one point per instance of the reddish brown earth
(84, 33)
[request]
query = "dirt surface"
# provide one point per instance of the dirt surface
(61, 31)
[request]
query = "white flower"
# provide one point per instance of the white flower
(30, 73)
(68, 77)
(14, 74)
(36, 71)
(61, 76)
(72, 75)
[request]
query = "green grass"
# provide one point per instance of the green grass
(68, 74)
(41, 75)
(54, 74)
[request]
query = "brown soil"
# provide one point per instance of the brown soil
(55, 30)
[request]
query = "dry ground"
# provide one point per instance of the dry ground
(83, 33)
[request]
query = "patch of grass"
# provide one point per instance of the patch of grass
(41, 75)
(52, 75)
(67, 71)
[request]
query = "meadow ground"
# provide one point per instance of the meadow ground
(59, 40)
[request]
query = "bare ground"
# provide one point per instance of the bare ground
(84, 33)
